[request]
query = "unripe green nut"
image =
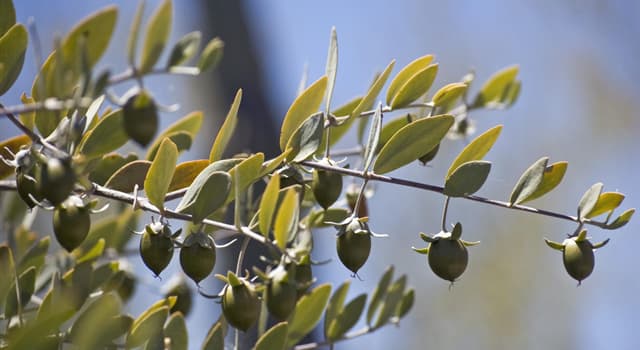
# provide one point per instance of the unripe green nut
(57, 179)
(281, 294)
(326, 185)
(448, 258)
(240, 305)
(71, 223)
(354, 245)
(198, 256)
(156, 248)
(28, 187)
(578, 258)
(140, 118)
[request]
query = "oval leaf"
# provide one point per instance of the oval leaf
(379, 294)
(158, 179)
(448, 93)
(248, 172)
(467, 179)
(215, 338)
(589, 200)
(494, 88)
(93, 34)
(189, 124)
(391, 302)
(285, 224)
(476, 149)
(336, 305)
(13, 45)
(374, 90)
(273, 339)
(331, 69)
(347, 318)
(268, 204)
(186, 172)
(302, 108)
(226, 131)
(337, 132)
(131, 174)
(607, 202)
(307, 313)
(184, 49)
(211, 55)
(146, 326)
(107, 136)
(392, 127)
(529, 181)
(7, 16)
(7, 270)
(415, 87)
(176, 331)
(405, 304)
(307, 138)
(206, 194)
(34, 256)
(406, 73)
(26, 287)
(551, 178)
(621, 220)
(134, 32)
(156, 36)
(411, 142)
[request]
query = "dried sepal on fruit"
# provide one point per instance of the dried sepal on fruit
(577, 254)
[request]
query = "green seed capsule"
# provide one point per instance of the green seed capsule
(198, 256)
(282, 294)
(156, 248)
(326, 185)
(140, 117)
(71, 223)
(354, 245)
(57, 179)
(578, 258)
(240, 305)
(448, 258)
(28, 187)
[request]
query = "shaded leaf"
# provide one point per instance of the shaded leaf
(189, 124)
(248, 172)
(467, 179)
(391, 302)
(373, 139)
(337, 132)
(307, 138)
(186, 172)
(215, 338)
(134, 33)
(321, 218)
(26, 287)
(269, 166)
(7, 16)
(93, 33)
(551, 178)
(91, 254)
(146, 326)
(374, 90)
(7, 271)
(34, 256)
(405, 304)
(158, 179)
(589, 200)
(107, 136)
(268, 204)
(226, 131)
(307, 313)
(131, 174)
(331, 69)
(347, 318)
(448, 93)
(379, 294)
(302, 108)
(206, 194)
(405, 74)
(13, 46)
(476, 149)
(273, 339)
(184, 49)
(494, 88)
(14, 145)
(286, 219)
(211, 55)
(621, 220)
(411, 142)
(529, 181)
(156, 36)
(176, 331)
(607, 202)
(335, 306)
(414, 87)
(99, 314)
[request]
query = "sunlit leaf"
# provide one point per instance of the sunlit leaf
(448, 94)
(184, 49)
(186, 172)
(337, 132)
(494, 88)
(13, 46)
(390, 128)
(411, 142)
(416, 86)
(92, 254)
(322, 217)
(286, 218)
(551, 178)
(476, 149)
(405, 74)
(589, 199)
(158, 179)
(335, 306)
(108, 135)
(268, 204)
(621, 220)
(607, 202)
(248, 173)
(529, 181)
(94, 33)
(134, 33)
(131, 174)
(156, 36)
(226, 131)
(467, 179)
(273, 339)
(308, 313)
(211, 55)
(373, 139)
(374, 90)
(189, 124)
(12, 145)
(302, 108)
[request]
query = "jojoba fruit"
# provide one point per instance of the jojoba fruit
(240, 305)
(28, 187)
(57, 179)
(578, 258)
(198, 256)
(326, 185)
(156, 247)
(448, 258)
(140, 117)
(282, 293)
(71, 223)
(354, 245)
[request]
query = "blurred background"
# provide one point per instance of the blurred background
(579, 102)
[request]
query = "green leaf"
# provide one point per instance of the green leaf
(337, 132)
(207, 193)
(405, 304)
(551, 178)
(336, 305)
(176, 331)
(108, 135)
(13, 45)
(307, 138)
(589, 200)
(405, 74)
(391, 302)
(286, 219)
(211, 55)
(7, 16)
(331, 69)
(146, 326)
(321, 217)
(226, 131)
(621, 220)
(379, 294)
(13, 144)
(134, 33)
(373, 139)
(184, 49)
(189, 124)
(186, 172)
(302, 108)
(347, 318)
(467, 179)
(269, 166)
(494, 88)
(268, 204)
(390, 128)
(415, 87)
(248, 171)
(476, 149)
(156, 36)
(374, 90)
(607, 202)
(27, 118)
(215, 338)
(92, 254)
(529, 181)
(131, 174)
(94, 32)
(158, 179)
(448, 93)
(411, 142)
(101, 313)
(34, 256)
(307, 313)
(7, 271)
(274, 339)
(511, 93)
(26, 287)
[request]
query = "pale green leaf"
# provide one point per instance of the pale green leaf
(273, 339)
(511, 93)
(337, 132)
(529, 181)
(621, 220)
(190, 124)
(286, 218)
(207, 193)
(335, 306)
(93, 34)
(374, 91)
(551, 178)
(302, 108)
(308, 313)
(156, 36)
(607, 202)
(589, 199)
(176, 331)
(347, 318)
(411, 142)
(215, 338)
(107, 136)
(34, 256)
(146, 326)
(248, 171)
(321, 217)
(268, 204)
(373, 139)
(405, 74)
(391, 302)
(226, 131)
(211, 55)
(405, 304)
(26, 287)
(331, 69)
(7, 16)
(272, 164)
(186, 172)
(7, 270)
(391, 127)
(92, 254)
(101, 313)
(306, 140)
(13, 46)
(448, 94)
(134, 33)
(131, 174)
(467, 179)
(476, 149)
(414, 87)
(13, 144)
(494, 88)
(379, 294)
(184, 49)
(158, 179)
